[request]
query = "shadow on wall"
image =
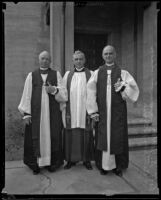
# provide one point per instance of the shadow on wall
(14, 135)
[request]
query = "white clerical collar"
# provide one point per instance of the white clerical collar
(79, 69)
(43, 68)
(109, 64)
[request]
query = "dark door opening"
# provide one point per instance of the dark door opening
(91, 45)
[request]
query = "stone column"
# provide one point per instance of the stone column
(56, 35)
(138, 70)
(69, 34)
(148, 60)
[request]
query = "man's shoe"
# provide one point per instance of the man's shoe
(69, 165)
(103, 172)
(52, 168)
(118, 172)
(36, 171)
(88, 165)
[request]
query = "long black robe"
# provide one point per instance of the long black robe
(32, 131)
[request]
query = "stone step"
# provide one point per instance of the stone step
(139, 122)
(142, 143)
(143, 131)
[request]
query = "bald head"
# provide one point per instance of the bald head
(109, 48)
(44, 59)
(109, 54)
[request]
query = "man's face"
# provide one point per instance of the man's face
(79, 60)
(44, 60)
(108, 55)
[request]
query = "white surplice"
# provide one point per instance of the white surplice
(130, 93)
(78, 96)
(25, 107)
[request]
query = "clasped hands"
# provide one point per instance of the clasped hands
(50, 89)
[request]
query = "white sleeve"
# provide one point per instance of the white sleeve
(92, 72)
(63, 104)
(65, 78)
(25, 103)
(91, 103)
(61, 96)
(131, 92)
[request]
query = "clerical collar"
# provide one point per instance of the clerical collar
(109, 64)
(44, 70)
(79, 70)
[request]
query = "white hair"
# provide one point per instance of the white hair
(42, 53)
(77, 52)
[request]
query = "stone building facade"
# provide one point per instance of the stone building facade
(61, 28)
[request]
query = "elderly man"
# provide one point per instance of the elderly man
(78, 136)
(40, 107)
(107, 92)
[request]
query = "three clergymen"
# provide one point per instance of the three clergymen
(60, 113)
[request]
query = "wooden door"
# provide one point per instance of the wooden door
(91, 45)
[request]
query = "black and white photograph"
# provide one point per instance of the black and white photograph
(80, 90)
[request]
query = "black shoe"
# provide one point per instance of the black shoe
(36, 171)
(118, 172)
(52, 168)
(103, 172)
(88, 165)
(60, 163)
(69, 165)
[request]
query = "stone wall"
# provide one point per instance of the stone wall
(155, 25)
(26, 35)
(128, 56)
(150, 62)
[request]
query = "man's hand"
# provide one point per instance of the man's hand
(50, 89)
(27, 120)
(118, 85)
(95, 117)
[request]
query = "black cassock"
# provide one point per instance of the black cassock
(32, 131)
(119, 132)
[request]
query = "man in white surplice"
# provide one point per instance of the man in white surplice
(40, 107)
(78, 136)
(107, 92)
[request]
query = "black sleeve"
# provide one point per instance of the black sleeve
(57, 90)
(25, 114)
(123, 88)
